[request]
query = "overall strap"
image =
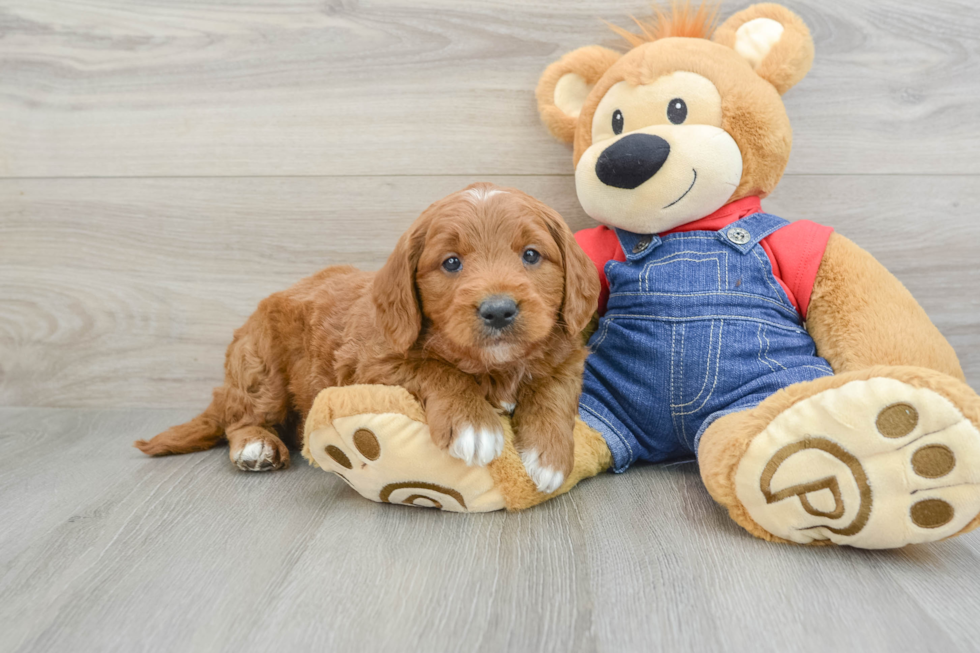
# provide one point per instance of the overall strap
(746, 233)
(636, 246)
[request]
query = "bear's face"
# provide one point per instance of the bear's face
(678, 127)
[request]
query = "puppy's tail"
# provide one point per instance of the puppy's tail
(202, 432)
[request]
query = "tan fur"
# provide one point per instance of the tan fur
(861, 315)
(863, 321)
(590, 62)
(683, 19)
(415, 325)
(357, 400)
(790, 59)
(726, 441)
(752, 111)
(592, 457)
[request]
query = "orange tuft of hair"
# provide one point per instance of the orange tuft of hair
(684, 19)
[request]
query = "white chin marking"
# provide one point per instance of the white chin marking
(256, 456)
(482, 194)
(545, 478)
(477, 446)
(496, 354)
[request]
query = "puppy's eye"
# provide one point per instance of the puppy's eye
(452, 264)
(531, 256)
(617, 122)
(677, 111)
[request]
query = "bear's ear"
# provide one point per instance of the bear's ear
(566, 83)
(774, 41)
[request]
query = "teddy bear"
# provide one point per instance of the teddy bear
(821, 404)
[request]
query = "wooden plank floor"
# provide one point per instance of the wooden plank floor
(165, 164)
(104, 550)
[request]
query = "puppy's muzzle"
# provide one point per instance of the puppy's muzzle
(498, 312)
(632, 160)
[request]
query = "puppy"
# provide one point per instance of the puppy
(480, 307)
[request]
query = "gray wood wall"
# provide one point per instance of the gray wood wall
(165, 165)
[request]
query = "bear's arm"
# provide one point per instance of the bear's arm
(860, 315)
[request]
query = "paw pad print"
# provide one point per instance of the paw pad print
(874, 463)
(390, 458)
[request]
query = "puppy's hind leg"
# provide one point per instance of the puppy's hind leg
(256, 449)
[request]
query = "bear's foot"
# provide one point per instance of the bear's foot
(375, 438)
(874, 463)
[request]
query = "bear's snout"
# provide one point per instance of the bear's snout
(632, 160)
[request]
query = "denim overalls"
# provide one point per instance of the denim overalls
(696, 327)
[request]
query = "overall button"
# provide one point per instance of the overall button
(739, 236)
(642, 244)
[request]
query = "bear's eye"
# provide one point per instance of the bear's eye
(677, 111)
(452, 264)
(617, 122)
(531, 256)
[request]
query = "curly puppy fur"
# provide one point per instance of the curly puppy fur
(418, 325)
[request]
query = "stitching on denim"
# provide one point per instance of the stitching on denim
(672, 258)
(707, 371)
(766, 273)
(673, 350)
(683, 358)
(683, 237)
(703, 318)
(602, 336)
(815, 367)
(768, 357)
(614, 430)
(721, 327)
(767, 221)
(778, 304)
(683, 373)
(759, 355)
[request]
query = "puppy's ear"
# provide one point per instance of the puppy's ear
(581, 299)
(774, 40)
(565, 84)
(394, 293)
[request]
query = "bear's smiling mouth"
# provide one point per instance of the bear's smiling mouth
(694, 181)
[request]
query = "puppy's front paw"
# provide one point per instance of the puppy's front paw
(477, 446)
(547, 479)
(469, 429)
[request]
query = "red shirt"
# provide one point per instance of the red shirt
(795, 251)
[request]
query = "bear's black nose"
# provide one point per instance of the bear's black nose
(632, 160)
(498, 311)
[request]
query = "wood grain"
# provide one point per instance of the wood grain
(338, 87)
(125, 292)
(106, 550)
(165, 165)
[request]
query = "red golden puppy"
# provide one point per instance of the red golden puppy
(479, 308)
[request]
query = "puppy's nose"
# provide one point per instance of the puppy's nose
(632, 160)
(498, 311)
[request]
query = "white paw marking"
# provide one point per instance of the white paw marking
(477, 446)
(483, 193)
(547, 479)
(256, 456)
